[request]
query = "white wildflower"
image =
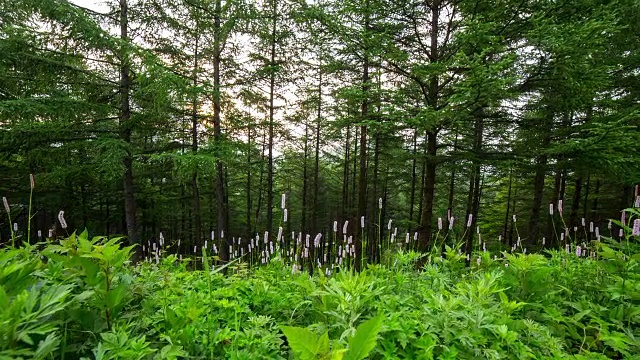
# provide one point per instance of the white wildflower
(6, 205)
(636, 227)
(63, 223)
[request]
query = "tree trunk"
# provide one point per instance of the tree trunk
(585, 203)
(183, 211)
(429, 192)
(272, 80)
(354, 174)
(217, 135)
(538, 193)
(563, 185)
(362, 188)
(256, 221)
(107, 206)
(475, 193)
(594, 208)
(376, 232)
(345, 184)
(305, 179)
(85, 216)
(506, 215)
(414, 179)
(539, 181)
(126, 130)
(249, 204)
(362, 180)
(226, 197)
(513, 211)
(432, 133)
(316, 173)
(472, 175)
(423, 173)
(575, 205)
(627, 192)
(551, 235)
(452, 184)
(197, 218)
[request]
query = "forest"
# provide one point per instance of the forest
(191, 118)
(292, 163)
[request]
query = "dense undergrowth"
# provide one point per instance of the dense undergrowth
(81, 298)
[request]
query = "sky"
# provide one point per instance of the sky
(96, 5)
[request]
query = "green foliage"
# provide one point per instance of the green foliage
(96, 267)
(364, 339)
(29, 308)
(308, 346)
(82, 299)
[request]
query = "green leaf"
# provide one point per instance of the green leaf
(91, 270)
(302, 341)
(110, 338)
(616, 340)
(117, 295)
(364, 340)
(171, 352)
(87, 294)
(323, 344)
(47, 346)
(4, 299)
(338, 354)
(99, 351)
